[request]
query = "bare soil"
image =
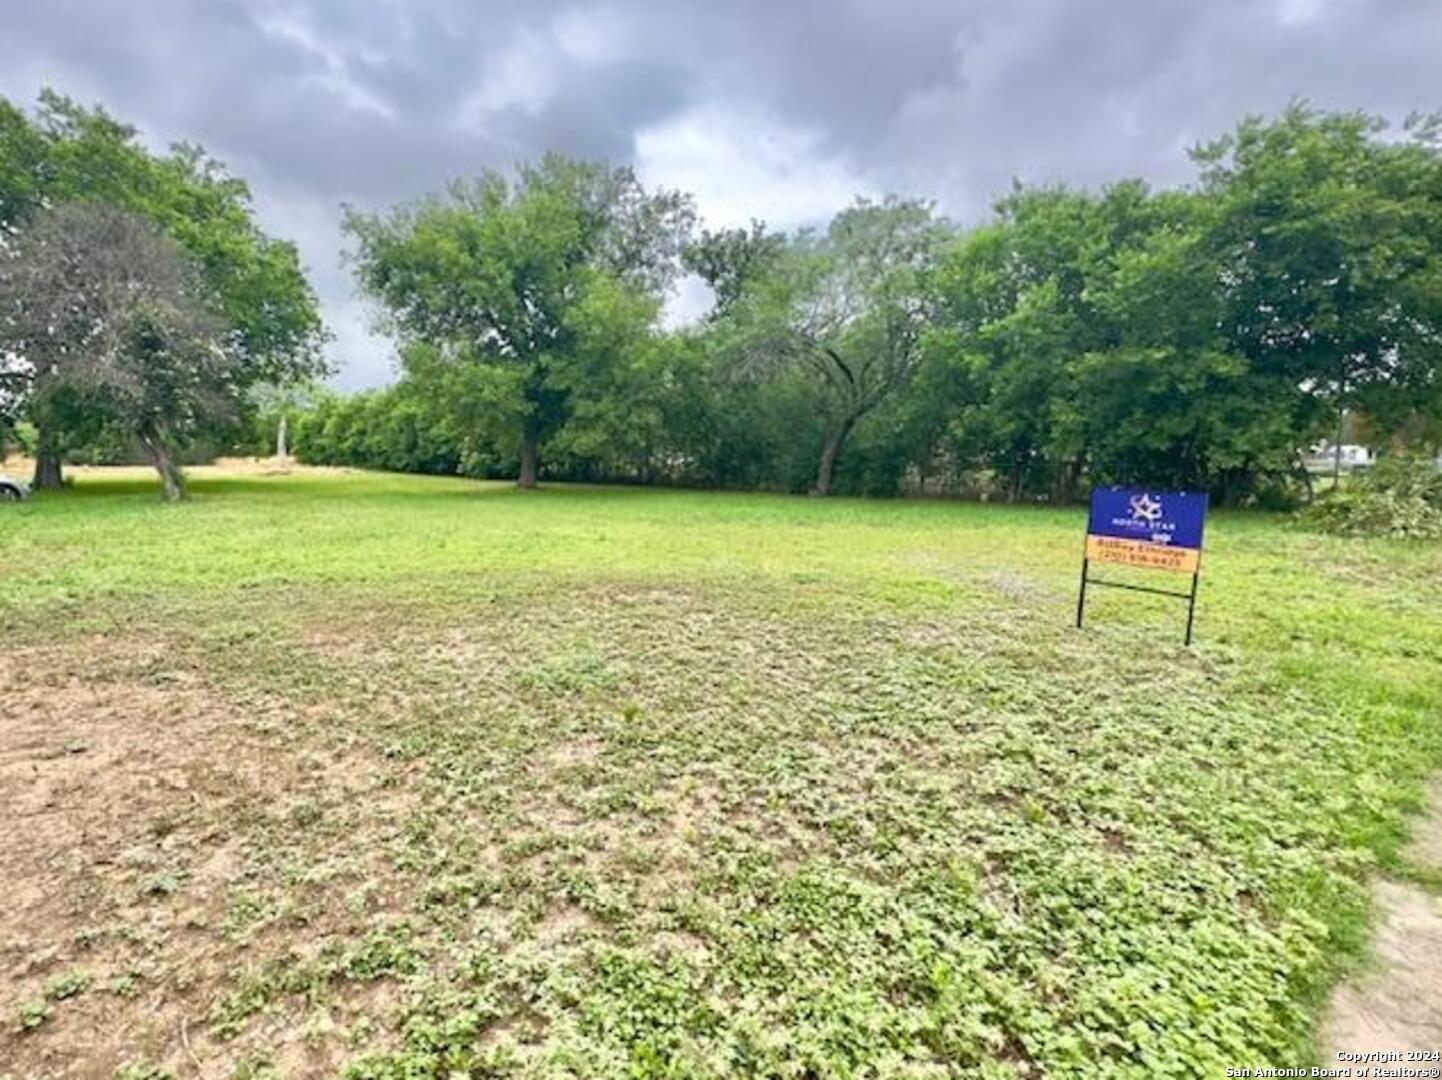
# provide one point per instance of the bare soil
(1396, 1003)
(137, 807)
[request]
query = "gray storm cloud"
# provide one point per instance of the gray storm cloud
(782, 110)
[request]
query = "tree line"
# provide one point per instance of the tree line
(1200, 337)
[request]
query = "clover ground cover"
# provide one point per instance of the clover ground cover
(395, 777)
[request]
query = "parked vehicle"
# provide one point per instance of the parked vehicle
(12, 490)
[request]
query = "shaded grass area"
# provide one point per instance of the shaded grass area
(596, 783)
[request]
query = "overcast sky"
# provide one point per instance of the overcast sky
(781, 109)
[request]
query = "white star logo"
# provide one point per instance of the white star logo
(1145, 508)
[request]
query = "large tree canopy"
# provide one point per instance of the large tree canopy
(255, 284)
(846, 309)
(116, 324)
(1327, 240)
(506, 275)
(1198, 338)
(1087, 335)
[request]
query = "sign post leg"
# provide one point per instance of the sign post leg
(1192, 606)
(1081, 600)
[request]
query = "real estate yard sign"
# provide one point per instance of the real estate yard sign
(1147, 529)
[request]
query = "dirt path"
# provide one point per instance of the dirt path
(1396, 1003)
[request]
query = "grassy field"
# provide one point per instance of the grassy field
(400, 777)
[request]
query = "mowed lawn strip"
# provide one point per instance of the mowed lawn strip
(402, 776)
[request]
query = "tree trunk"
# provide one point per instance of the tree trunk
(49, 475)
(281, 450)
(1074, 475)
(171, 477)
(1337, 450)
(530, 457)
(1341, 424)
(830, 451)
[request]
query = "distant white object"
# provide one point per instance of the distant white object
(1323, 457)
(12, 490)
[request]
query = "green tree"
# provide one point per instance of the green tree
(731, 261)
(616, 379)
(1013, 310)
(112, 317)
(847, 309)
(493, 274)
(22, 166)
(1328, 235)
(1083, 338)
(1171, 401)
(253, 282)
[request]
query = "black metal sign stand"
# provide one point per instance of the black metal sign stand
(1190, 597)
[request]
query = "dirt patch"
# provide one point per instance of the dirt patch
(149, 824)
(566, 924)
(1396, 1004)
(573, 754)
(1425, 848)
(81, 766)
(258, 466)
(98, 777)
(18, 465)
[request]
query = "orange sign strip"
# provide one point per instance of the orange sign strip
(1109, 549)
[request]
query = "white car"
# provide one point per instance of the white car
(12, 490)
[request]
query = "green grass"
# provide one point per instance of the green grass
(600, 783)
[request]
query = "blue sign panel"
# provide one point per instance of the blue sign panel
(1172, 518)
(1146, 530)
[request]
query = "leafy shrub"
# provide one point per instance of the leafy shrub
(1401, 498)
(19, 436)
